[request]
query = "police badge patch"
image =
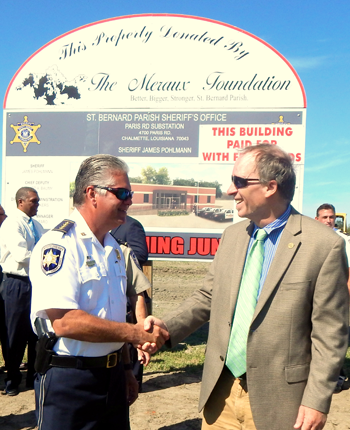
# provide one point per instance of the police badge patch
(52, 258)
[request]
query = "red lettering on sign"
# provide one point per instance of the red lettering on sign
(223, 131)
(215, 156)
(177, 245)
(165, 245)
(214, 244)
(295, 157)
(265, 131)
(203, 246)
(272, 142)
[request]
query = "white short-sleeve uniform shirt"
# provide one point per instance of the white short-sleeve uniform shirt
(347, 244)
(74, 271)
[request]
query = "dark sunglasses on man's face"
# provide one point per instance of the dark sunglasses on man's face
(120, 193)
(243, 182)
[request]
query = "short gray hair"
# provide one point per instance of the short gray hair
(23, 192)
(273, 163)
(96, 170)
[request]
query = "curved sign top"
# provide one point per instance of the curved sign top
(153, 62)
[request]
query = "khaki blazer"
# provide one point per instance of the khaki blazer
(299, 332)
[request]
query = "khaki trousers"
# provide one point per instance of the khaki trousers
(228, 406)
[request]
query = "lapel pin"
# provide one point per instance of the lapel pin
(118, 254)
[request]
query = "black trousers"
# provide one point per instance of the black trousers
(17, 300)
(82, 399)
(3, 329)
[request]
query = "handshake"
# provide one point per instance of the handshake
(153, 334)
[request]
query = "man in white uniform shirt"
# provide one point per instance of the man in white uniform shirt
(19, 233)
(80, 289)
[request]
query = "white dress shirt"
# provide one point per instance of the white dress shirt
(17, 243)
(347, 243)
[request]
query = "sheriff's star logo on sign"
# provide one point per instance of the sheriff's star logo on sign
(25, 133)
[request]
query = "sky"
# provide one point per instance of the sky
(313, 36)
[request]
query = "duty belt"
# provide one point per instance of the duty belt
(70, 361)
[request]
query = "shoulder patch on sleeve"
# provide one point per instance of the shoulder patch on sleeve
(52, 258)
(64, 226)
(136, 261)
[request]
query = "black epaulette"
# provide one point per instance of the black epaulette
(64, 226)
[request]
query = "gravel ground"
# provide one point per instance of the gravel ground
(169, 400)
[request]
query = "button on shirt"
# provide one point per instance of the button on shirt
(91, 278)
(17, 242)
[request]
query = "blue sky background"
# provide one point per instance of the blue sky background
(313, 35)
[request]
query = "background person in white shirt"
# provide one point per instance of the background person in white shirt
(3, 333)
(326, 215)
(18, 236)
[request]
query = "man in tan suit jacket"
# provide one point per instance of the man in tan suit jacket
(298, 335)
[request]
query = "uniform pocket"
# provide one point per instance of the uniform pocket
(91, 288)
(89, 274)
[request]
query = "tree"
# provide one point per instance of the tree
(162, 176)
(212, 184)
(136, 180)
(192, 183)
(151, 176)
(185, 182)
(148, 175)
(71, 189)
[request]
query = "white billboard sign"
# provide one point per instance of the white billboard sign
(176, 97)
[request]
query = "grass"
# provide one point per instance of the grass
(183, 358)
(187, 356)
(2, 362)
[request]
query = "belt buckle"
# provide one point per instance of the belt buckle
(112, 360)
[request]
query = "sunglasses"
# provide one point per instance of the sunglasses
(243, 182)
(120, 193)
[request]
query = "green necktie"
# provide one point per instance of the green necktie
(236, 358)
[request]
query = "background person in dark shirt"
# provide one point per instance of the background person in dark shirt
(133, 234)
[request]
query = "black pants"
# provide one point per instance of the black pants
(3, 329)
(17, 299)
(77, 399)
